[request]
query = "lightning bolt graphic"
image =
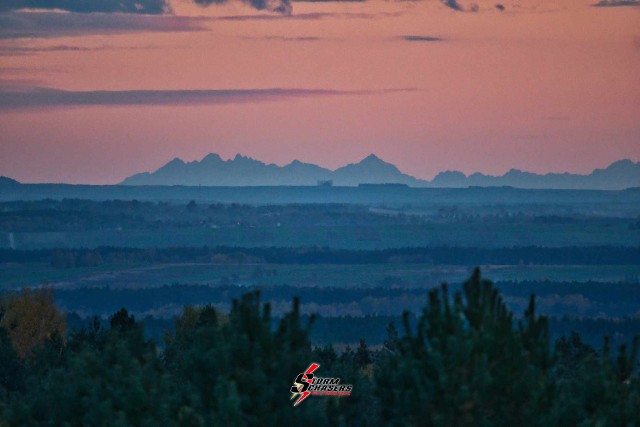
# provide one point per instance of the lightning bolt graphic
(306, 394)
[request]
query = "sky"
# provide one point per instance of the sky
(92, 92)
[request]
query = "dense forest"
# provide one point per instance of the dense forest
(344, 315)
(443, 255)
(208, 334)
(373, 300)
(466, 359)
(556, 219)
(77, 215)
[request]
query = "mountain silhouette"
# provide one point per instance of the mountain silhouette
(245, 171)
(212, 170)
(5, 181)
(618, 176)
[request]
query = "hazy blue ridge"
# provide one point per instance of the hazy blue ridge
(245, 171)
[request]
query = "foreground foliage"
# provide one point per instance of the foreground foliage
(468, 361)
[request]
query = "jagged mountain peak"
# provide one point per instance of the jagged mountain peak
(370, 162)
(5, 180)
(176, 161)
(211, 158)
(372, 158)
(239, 157)
(624, 164)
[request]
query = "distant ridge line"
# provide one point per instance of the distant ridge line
(242, 171)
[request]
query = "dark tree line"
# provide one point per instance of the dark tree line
(523, 255)
(466, 361)
(75, 215)
(78, 214)
(603, 295)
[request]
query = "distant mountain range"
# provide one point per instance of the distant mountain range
(617, 176)
(245, 171)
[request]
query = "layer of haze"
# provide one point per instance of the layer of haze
(541, 86)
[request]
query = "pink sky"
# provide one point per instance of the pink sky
(538, 87)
